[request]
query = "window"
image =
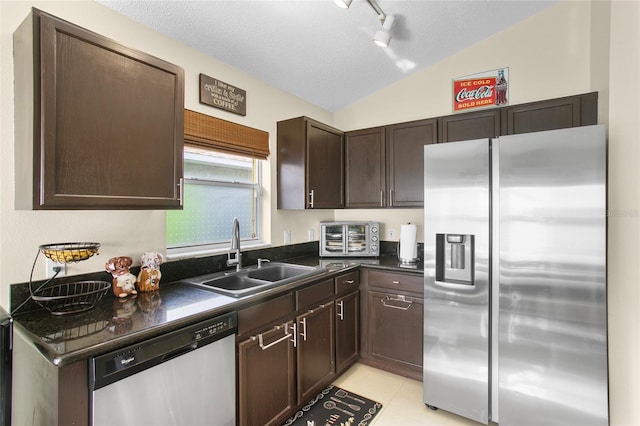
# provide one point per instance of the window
(217, 188)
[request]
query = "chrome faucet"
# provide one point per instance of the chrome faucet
(235, 245)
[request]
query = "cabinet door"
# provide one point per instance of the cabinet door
(325, 167)
(347, 326)
(395, 328)
(544, 115)
(473, 125)
(316, 351)
(365, 170)
(109, 123)
(266, 385)
(405, 158)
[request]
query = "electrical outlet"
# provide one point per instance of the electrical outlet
(311, 234)
(51, 271)
(392, 233)
(287, 236)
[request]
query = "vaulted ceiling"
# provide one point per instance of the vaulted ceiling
(320, 52)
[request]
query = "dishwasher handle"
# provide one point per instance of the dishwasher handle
(180, 351)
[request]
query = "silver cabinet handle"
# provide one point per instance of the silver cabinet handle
(311, 198)
(295, 335)
(275, 342)
(391, 198)
(400, 298)
(382, 198)
(341, 311)
(304, 328)
(181, 192)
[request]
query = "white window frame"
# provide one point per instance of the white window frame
(223, 247)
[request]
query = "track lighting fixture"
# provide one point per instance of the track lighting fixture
(344, 4)
(383, 35)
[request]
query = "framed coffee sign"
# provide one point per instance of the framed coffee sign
(482, 90)
(222, 95)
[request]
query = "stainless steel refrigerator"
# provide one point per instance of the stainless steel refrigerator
(515, 320)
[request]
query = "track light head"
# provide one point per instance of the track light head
(344, 4)
(383, 35)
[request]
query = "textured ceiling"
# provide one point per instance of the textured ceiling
(321, 53)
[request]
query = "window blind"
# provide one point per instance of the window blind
(205, 131)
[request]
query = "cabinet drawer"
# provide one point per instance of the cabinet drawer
(396, 281)
(256, 316)
(347, 282)
(314, 294)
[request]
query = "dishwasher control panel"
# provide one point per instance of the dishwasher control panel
(224, 324)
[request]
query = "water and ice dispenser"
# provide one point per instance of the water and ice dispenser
(455, 258)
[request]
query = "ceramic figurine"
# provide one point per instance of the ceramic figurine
(149, 276)
(123, 280)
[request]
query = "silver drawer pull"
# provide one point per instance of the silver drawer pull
(400, 298)
(349, 281)
(395, 282)
(295, 335)
(304, 327)
(275, 342)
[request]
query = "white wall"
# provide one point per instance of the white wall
(128, 232)
(624, 213)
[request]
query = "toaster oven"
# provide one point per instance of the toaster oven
(354, 239)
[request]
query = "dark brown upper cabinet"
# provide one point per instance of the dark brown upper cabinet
(310, 165)
(471, 125)
(405, 161)
(107, 120)
(365, 170)
(559, 113)
(384, 165)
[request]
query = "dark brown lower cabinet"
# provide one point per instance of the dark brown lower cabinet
(347, 325)
(282, 367)
(395, 329)
(266, 391)
(392, 318)
(315, 350)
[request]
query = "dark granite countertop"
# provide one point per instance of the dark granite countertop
(115, 323)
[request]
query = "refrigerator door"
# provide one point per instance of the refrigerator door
(552, 320)
(456, 251)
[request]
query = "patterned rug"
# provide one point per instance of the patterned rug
(335, 407)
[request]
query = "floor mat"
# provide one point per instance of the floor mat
(335, 407)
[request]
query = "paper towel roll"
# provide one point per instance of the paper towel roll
(408, 251)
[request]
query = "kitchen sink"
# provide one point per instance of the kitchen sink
(253, 280)
(279, 272)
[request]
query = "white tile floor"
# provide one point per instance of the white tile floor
(401, 398)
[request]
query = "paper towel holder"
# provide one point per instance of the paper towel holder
(407, 260)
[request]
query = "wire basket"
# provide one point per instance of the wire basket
(69, 252)
(70, 298)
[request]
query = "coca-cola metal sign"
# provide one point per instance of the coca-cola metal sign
(482, 90)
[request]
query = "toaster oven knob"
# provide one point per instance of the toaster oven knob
(374, 238)
(374, 247)
(374, 229)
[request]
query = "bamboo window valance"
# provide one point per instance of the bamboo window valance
(204, 131)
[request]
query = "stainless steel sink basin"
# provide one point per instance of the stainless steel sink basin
(253, 280)
(279, 272)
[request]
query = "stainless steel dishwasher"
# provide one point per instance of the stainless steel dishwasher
(185, 377)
